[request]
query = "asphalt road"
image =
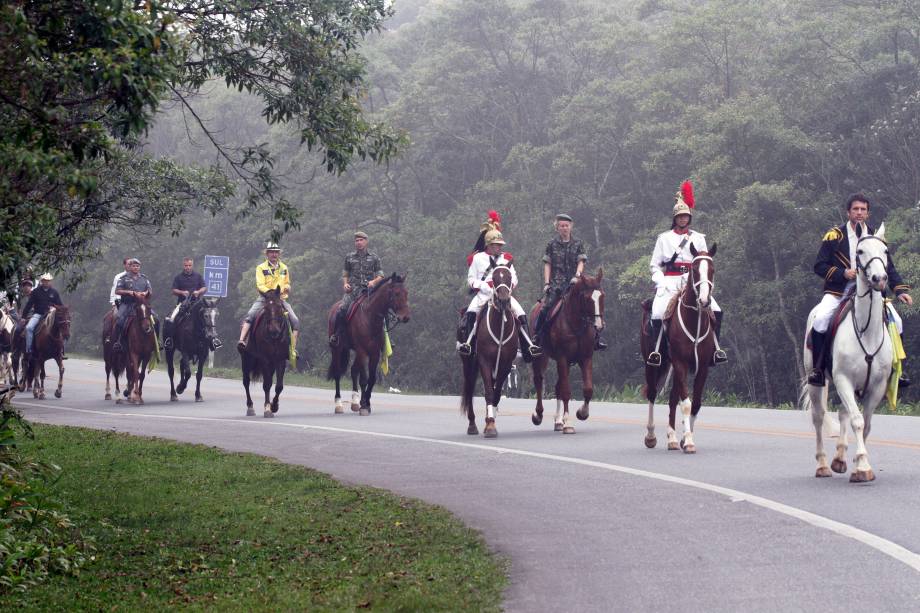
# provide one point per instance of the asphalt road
(592, 521)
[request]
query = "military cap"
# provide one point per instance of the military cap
(360, 234)
(563, 217)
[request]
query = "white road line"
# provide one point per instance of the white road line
(878, 543)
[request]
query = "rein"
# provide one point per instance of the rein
(499, 340)
(697, 338)
(869, 357)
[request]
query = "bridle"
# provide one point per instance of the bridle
(501, 306)
(864, 269)
(696, 285)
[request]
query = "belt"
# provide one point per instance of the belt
(677, 269)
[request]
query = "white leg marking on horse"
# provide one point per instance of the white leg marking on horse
(651, 417)
(882, 545)
(558, 418)
(490, 412)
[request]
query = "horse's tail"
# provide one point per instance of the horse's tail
(337, 364)
(469, 385)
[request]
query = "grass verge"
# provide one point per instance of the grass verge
(177, 524)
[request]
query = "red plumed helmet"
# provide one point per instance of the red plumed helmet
(686, 193)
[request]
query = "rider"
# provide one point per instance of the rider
(270, 275)
(113, 297)
(563, 263)
(17, 311)
(361, 271)
(836, 264)
(479, 281)
(130, 284)
(40, 302)
(187, 287)
(670, 267)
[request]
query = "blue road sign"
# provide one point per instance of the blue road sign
(216, 275)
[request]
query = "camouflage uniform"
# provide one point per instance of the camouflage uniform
(360, 269)
(563, 259)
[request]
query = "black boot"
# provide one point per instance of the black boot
(533, 350)
(654, 358)
(719, 356)
(466, 348)
(116, 336)
(167, 335)
(538, 332)
(816, 376)
(338, 328)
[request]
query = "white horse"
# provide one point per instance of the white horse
(862, 354)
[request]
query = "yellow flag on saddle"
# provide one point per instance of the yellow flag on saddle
(292, 350)
(387, 352)
(897, 365)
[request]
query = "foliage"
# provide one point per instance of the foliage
(37, 540)
(190, 526)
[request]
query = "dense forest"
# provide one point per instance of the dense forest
(776, 110)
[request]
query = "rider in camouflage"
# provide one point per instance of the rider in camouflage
(362, 272)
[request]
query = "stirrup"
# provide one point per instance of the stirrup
(334, 341)
(535, 350)
(599, 345)
(904, 381)
(168, 343)
(719, 356)
(816, 378)
(216, 344)
(117, 346)
(653, 359)
(465, 349)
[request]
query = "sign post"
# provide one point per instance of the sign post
(217, 280)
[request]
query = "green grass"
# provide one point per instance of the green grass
(190, 526)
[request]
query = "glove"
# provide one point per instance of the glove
(573, 280)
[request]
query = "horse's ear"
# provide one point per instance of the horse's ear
(693, 250)
(881, 231)
(403, 278)
(712, 251)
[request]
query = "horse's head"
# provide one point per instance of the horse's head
(208, 317)
(274, 313)
(62, 321)
(501, 285)
(590, 296)
(872, 259)
(397, 296)
(142, 308)
(702, 272)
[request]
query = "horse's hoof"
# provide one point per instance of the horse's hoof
(472, 430)
(536, 419)
(568, 430)
(839, 466)
(339, 408)
(582, 413)
(41, 395)
(250, 412)
(364, 411)
(57, 393)
(493, 433)
(691, 448)
(274, 407)
(173, 398)
(268, 413)
(118, 401)
(108, 396)
(355, 407)
(823, 471)
(126, 393)
(180, 388)
(199, 398)
(557, 427)
(35, 393)
(862, 476)
(673, 446)
(650, 442)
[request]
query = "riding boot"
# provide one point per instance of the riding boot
(338, 328)
(533, 350)
(244, 332)
(538, 326)
(167, 334)
(116, 335)
(719, 356)
(654, 358)
(816, 376)
(465, 348)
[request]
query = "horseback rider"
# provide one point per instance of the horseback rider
(16, 308)
(836, 263)
(130, 284)
(479, 280)
(187, 287)
(270, 275)
(563, 262)
(361, 273)
(670, 268)
(113, 297)
(40, 302)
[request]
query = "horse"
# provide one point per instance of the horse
(114, 360)
(861, 362)
(364, 335)
(568, 341)
(496, 347)
(194, 336)
(691, 346)
(266, 355)
(7, 325)
(140, 335)
(48, 344)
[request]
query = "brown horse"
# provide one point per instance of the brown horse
(7, 325)
(266, 355)
(690, 348)
(570, 340)
(364, 335)
(496, 347)
(140, 337)
(114, 360)
(194, 336)
(48, 344)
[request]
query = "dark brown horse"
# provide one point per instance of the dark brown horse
(7, 325)
(194, 336)
(114, 360)
(137, 350)
(570, 340)
(266, 355)
(364, 336)
(690, 348)
(496, 347)
(48, 344)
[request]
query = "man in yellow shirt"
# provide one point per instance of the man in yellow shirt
(271, 274)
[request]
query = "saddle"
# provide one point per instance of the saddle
(348, 316)
(839, 315)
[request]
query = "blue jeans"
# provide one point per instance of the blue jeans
(30, 330)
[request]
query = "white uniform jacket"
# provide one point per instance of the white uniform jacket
(479, 278)
(670, 279)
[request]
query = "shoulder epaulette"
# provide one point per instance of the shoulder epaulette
(833, 234)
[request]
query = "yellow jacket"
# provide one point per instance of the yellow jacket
(268, 278)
